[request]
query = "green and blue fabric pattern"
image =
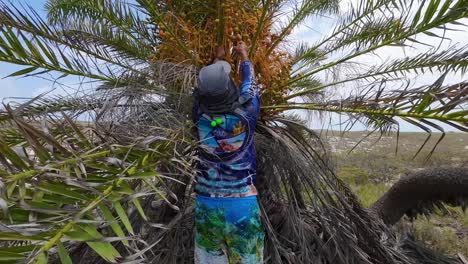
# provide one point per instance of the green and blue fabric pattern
(228, 230)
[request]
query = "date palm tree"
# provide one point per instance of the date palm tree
(118, 189)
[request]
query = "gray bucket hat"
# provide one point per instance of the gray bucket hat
(216, 91)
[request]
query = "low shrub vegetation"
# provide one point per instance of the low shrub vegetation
(371, 172)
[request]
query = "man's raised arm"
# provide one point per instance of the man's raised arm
(248, 89)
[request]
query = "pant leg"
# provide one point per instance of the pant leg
(244, 233)
(209, 226)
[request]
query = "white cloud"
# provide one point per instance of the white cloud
(7, 88)
(9, 91)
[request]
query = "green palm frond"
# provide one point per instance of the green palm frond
(380, 110)
(453, 59)
(368, 32)
(87, 182)
(117, 43)
(262, 20)
(112, 24)
(310, 58)
(28, 40)
(40, 106)
(44, 59)
(119, 15)
(300, 12)
(437, 102)
(355, 16)
(365, 30)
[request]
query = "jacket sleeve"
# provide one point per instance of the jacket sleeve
(248, 88)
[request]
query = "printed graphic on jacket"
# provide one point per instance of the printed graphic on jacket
(227, 137)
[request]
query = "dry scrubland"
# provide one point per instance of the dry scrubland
(373, 166)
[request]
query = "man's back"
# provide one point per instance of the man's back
(228, 225)
(227, 163)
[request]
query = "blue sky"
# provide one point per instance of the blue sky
(13, 89)
(16, 89)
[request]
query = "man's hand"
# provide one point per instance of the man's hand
(242, 51)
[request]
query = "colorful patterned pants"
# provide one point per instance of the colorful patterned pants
(228, 230)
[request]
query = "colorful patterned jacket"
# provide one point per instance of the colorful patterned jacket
(227, 160)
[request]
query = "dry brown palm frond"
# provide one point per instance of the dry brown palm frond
(308, 213)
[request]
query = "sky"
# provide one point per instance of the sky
(17, 89)
(20, 87)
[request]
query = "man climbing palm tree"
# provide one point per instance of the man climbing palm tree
(228, 226)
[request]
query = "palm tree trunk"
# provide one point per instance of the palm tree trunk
(421, 191)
